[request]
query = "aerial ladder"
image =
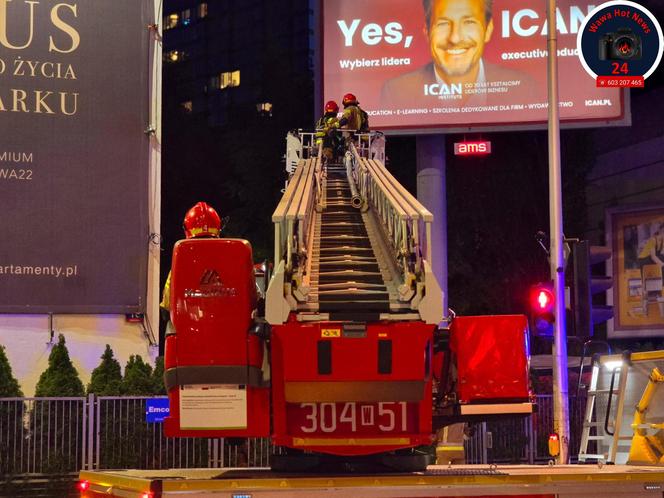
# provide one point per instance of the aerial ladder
(351, 243)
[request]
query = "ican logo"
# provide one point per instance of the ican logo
(210, 285)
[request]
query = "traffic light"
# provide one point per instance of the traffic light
(542, 301)
(585, 285)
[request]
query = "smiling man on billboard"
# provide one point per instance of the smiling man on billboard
(457, 31)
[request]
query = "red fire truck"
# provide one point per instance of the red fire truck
(347, 357)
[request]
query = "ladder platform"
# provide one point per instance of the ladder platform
(563, 481)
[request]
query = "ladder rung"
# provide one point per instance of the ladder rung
(591, 455)
(602, 391)
(344, 285)
(348, 273)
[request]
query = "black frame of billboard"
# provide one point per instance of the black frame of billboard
(109, 221)
(625, 118)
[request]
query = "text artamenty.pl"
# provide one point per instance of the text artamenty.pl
(39, 271)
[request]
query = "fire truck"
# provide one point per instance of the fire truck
(346, 355)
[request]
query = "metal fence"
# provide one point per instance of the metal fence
(42, 435)
(123, 439)
(64, 435)
(524, 440)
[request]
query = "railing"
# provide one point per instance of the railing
(293, 230)
(60, 436)
(293, 216)
(406, 220)
(123, 439)
(42, 435)
(524, 440)
(56, 436)
(406, 226)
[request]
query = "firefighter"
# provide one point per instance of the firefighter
(326, 130)
(354, 117)
(201, 221)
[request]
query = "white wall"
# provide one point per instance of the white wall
(26, 337)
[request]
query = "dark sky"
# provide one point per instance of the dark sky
(496, 204)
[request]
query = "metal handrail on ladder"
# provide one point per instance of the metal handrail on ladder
(404, 221)
(293, 237)
(406, 224)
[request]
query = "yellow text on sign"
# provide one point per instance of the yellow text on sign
(330, 332)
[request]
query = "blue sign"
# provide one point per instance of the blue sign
(156, 410)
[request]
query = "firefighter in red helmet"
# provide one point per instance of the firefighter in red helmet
(326, 130)
(354, 117)
(201, 221)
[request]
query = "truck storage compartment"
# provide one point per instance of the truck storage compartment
(214, 364)
(492, 358)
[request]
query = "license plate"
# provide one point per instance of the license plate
(352, 418)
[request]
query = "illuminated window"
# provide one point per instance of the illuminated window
(187, 106)
(171, 21)
(229, 79)
(202, 10)
(264, 108)
(174, 56)
(186, 17)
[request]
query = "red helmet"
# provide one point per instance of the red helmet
(350, 99)
(202, 221)
(331, 106)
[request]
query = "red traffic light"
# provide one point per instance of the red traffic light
(544, 299)
(541, 304)
(541, 298)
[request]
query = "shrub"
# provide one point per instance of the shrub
(11, 416)
(56, 425)
(9, 387)
(60, 378)
(106, 379)
(158, 387)
(137, 380)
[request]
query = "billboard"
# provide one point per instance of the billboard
(74, 102)
(636, 237)
(458, 63)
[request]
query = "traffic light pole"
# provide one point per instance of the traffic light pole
(557, 257)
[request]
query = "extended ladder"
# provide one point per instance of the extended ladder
(608, 428)
(604, 432)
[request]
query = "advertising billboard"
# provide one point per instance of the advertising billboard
(74, 102)
(456, 64)
(636, 237)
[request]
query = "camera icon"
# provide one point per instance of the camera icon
(622, 45)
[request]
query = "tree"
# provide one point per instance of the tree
(137, 379)
(158, 386)
(106, 379)
(11, 417)
(61, 377)
(9, 387)
(57, 422)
